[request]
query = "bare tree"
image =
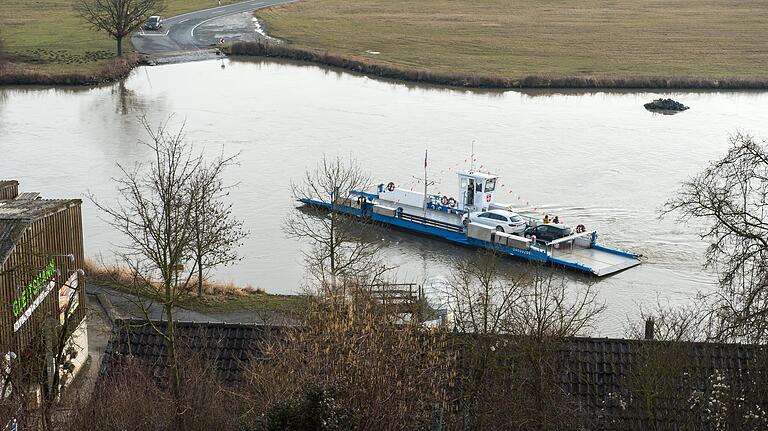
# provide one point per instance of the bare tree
(513, 323)
(692, 321)
(155, 211)
(371, 371)
(732, 195)
(532, 302)
(217, 233)
(480, 299)
(340, 247)
(118, 18)
(552, 308)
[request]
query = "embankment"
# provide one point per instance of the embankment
(110, 71)
(370, 67)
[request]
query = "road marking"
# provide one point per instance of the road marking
(192, 31)
(155, 34)
(214, 8)
(182, 21)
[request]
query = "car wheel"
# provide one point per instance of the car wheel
(499, 229)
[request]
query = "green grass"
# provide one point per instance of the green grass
(48, 35)
(514, 38)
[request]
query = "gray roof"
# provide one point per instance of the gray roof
(16, 215)
(600, 377)
(229, 345)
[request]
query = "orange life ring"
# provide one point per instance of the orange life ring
(391, 186)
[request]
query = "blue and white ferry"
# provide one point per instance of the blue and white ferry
(458, 220)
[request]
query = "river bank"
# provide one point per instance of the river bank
(105, 72)
(479, 80)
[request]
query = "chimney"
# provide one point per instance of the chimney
(649, 329)
(9, 189)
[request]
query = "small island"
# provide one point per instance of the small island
(665, 105)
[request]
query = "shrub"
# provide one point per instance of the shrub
(318, 409)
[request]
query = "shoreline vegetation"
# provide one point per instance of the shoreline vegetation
(217, 297)
(663, 44)
(108, 71)
(478, 80)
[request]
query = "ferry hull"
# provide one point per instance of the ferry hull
(594, 259)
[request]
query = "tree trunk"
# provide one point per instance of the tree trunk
(173, 364)
(119, 46)
(199, 276)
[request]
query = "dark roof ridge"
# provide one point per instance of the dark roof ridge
(142, 322)
(642, 340)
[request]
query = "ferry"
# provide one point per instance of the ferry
(476, 220)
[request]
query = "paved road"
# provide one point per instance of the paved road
(182, 34)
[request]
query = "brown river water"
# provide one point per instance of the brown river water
(596, 157)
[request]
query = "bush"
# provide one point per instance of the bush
(319, 409)
(387, 375)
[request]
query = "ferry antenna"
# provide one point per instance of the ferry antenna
(472, 158)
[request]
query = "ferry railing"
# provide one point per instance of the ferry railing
(431, 222)
(434, 203)
(570, 240)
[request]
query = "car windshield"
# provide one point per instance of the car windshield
(152, 20)
(515, 218)
(490, 185)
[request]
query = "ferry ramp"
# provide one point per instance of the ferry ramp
(599, 260)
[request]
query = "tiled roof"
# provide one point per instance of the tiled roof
(608, 380)
(601, 377)
(228, 345)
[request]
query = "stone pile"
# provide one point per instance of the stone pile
(665, 105)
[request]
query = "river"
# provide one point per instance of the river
(597, 157)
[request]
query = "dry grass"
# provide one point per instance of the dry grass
(595, 40)
(102, 72)
(217, 297)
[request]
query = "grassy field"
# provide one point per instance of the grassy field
(688, 38)
(47, 35)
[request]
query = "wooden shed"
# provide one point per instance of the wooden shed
(42, 284)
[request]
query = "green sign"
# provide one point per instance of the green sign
(28, 295)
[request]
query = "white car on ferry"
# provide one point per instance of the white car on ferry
(502, 220)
